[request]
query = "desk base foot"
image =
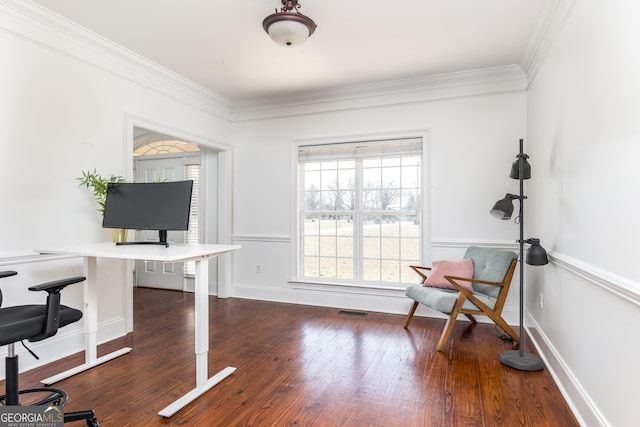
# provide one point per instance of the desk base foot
(195, 393)
(85, 366)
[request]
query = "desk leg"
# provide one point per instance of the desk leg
(90, 315)
(90, 309)
(203, 383)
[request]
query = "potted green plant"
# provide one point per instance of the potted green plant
(98, 185)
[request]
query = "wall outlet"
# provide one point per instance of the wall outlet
(541, 300)
(258, 269)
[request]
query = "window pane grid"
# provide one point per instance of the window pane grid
(328, 245)
(360, 218)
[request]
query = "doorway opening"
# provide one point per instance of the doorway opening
(158, 158)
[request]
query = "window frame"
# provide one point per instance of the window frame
(297, 205)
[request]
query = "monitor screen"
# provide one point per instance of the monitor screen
(148, 205)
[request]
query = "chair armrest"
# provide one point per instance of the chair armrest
(418, 269)
(452, 280)
(465, 294)
(467, 279)
(57, 285)
(4, 274)
(52, 321)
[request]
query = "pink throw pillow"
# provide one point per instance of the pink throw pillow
(440, 269)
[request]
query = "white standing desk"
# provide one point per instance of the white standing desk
(200, 253)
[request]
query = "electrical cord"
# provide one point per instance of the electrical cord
(29, 350)
(502, 334)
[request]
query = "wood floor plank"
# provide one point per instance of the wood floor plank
(307, 366)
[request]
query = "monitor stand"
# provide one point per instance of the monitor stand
(163, 240)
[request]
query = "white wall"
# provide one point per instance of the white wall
(68, 101)
(584, 133)
(471, 143)
(67, 97)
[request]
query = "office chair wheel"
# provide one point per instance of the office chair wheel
(18, 323)
(58, 397)
(88, 415)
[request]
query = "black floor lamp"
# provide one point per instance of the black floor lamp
(535, 255)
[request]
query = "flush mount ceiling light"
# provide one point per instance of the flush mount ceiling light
(289, 27)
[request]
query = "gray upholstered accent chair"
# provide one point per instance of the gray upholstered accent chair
(492, 273)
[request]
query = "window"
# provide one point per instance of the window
(164, 146)
(360, 207)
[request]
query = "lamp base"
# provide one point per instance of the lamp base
(524, 362)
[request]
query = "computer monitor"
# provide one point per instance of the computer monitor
(158, 206)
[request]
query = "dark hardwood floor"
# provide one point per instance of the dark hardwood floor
(307, 366)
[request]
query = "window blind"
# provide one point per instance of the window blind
(192, 172)
(360, 150)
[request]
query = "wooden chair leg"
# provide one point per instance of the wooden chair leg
(448, 327)
(471, 318)
(411, 313)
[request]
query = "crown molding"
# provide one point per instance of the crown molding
(47, 29)
(549, 23)
(509, 78)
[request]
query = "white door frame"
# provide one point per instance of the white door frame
(223, 180)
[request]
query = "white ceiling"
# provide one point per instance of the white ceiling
(222, 46)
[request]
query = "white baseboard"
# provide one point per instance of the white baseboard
(62, 345)
(578, 400)
(392, 301)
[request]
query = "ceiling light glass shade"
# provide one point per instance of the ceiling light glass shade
(289, 27)
(515, 170)
(503, 208)
(287, 32)
(535, 254)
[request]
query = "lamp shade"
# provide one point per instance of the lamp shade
(535, 254)
(504, 207)
(515, 169)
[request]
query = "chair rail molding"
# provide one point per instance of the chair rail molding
(463, 244)
(28, 257)
(267, 238)
(620, 286)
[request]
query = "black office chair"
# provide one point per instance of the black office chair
(35, 323)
